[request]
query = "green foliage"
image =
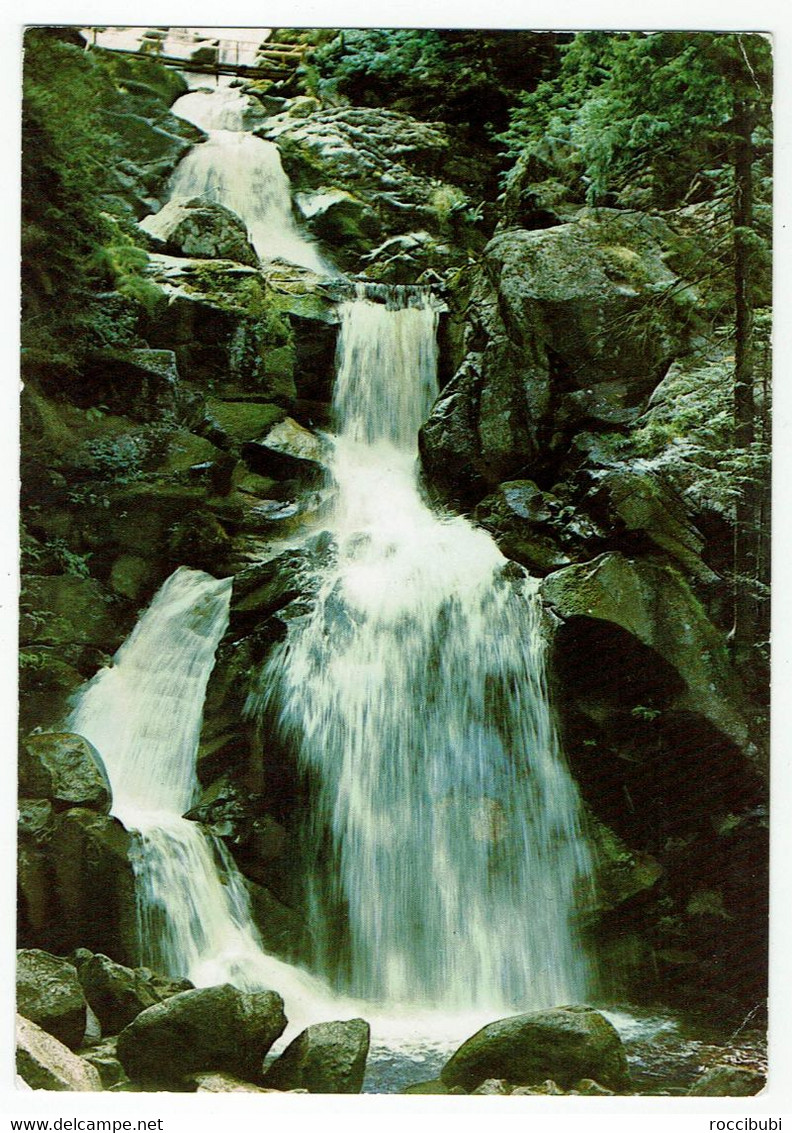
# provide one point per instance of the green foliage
(639, 109)
(51, 556)
(74, 245)
(66, 157)
(466, 77)
(641, 712)
(126, 264)
(275, 327)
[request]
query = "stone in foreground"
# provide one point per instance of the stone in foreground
(209, 1028)
(117, 994)
(326, 1058)
(49, 993)
(562, 1043)
(728, 1082)
(46, 1064)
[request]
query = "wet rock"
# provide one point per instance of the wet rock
(621, 873)
(282, 930)
(131, 576)
(244, 420)
(638, 502)
(588, 289)
(151, 144)
(198, 227)
(44, 1063)
(563, 327)
(374, 153)
(546, 1088)
(327, 1058)
(529, 526)
(139, 382)
(410, 257)
(35, 818)
(212, 1028)
(288, 450)
(342, 220)
(433, 1086)
(65, 768)
(117, 994)
(49, 993)
(266, 587)
(653, 603)
(588, 1088)
(728, 1082)
(184, 451)
(448, 440)
(565, 1042)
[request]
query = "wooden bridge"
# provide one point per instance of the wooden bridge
(187, 51)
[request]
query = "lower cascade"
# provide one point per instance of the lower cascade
(143, 713)
(444, 830)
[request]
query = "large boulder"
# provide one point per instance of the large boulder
(562, 1043)
(340, 219)
(117, 994)
(66, 768)
(217, 1083)
(326, 1058)
(653, 603)
(193, 226)
(379, 155)
(46, 1064)
(634, 500)
(49, 993)
(587, 292)
(564, 327)
(211, 1028)
(142, 382)
(92, 892)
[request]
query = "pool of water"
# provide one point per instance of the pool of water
(666, 1053)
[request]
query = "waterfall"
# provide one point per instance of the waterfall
(143, 713)
(444, 836)
(236, 169)
(444, 856)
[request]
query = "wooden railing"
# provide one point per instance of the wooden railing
(218, 56)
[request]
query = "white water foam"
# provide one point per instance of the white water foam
(445, 825)
(236, 169)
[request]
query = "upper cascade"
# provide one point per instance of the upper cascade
(236, 169)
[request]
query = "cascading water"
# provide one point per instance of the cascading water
(445, 825)
(143, 713)
(236, 169)
(446, 858)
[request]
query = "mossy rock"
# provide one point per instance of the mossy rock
(66, 609)
(565, 1043)
(244, 420)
